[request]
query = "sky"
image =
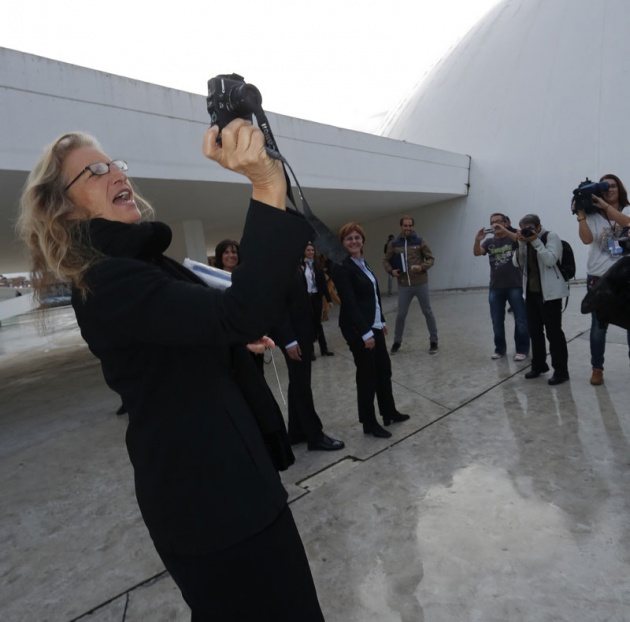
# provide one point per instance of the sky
(340, 62)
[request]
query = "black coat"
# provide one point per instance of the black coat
(358, 305)
(297, 320)
(204, 479)
(320, 280)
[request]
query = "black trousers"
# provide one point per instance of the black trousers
(546, 318)
(265, 578)
(374, 377)
(318, 304)
(304, 423)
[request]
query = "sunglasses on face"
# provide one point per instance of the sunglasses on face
(99, 168)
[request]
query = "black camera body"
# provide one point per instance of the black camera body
(229, 98)
(527, 232)
(583, 196)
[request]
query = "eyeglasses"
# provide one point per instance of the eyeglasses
(496, 222)
(99, 168)
(353, 238)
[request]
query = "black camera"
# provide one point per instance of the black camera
(229, 98)
(527, 232)
(583, 196)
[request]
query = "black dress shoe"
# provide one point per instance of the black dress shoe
(325, 443)
(558, 379)
(395, 418)
(534, 373)
(328, 353)
(375, 430)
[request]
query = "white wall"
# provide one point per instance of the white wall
(537, 94)
(159, 130)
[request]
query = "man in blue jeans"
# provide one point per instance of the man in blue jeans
(505, 285)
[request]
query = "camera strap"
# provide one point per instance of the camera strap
(324, 240)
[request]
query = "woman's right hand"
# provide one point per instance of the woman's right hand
(599, 203)
(242, 150)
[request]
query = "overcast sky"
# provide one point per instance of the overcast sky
(339, 62)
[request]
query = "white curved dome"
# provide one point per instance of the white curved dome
(537, 94)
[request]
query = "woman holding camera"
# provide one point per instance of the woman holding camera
(601, 229)
(175, 351)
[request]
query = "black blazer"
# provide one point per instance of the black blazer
(204, 479)
(297, 321)
(320, 280)
(356, 292)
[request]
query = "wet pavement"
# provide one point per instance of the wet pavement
(502, 499)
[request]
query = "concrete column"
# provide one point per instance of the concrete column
(188, 241)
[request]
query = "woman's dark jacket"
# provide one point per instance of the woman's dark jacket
(204, 479)
(358, 304)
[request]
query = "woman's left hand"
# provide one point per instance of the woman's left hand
(259, 347)
(370, 343)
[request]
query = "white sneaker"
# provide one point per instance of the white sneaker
(520, 357)
(496, 355)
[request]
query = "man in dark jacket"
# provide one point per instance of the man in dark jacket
(294, 334)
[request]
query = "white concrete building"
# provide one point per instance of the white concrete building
(528, 104)
(536, 94)
(345, 175)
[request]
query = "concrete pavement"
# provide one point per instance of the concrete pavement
(502, 499)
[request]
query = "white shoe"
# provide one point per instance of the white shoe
(496, 355)
(520, 357)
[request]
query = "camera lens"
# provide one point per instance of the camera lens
(244, 99)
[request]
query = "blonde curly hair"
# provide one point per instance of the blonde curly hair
(49, 223)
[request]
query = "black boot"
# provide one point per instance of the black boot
(375, 430)
(395, 418)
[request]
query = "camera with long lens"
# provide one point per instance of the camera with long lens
(229, 98)
(583, 196)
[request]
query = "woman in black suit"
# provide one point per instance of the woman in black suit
(175, 351)
(318, 290)
(363, 326)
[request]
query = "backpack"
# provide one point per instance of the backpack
(609, 298)
(566, 265)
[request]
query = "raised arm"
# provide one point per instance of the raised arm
(242, 150)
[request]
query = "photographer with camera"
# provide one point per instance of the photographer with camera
(601, 217)
(201, 431)
(539, 252)
(505, 284)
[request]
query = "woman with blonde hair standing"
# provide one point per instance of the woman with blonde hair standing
(175, 351)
